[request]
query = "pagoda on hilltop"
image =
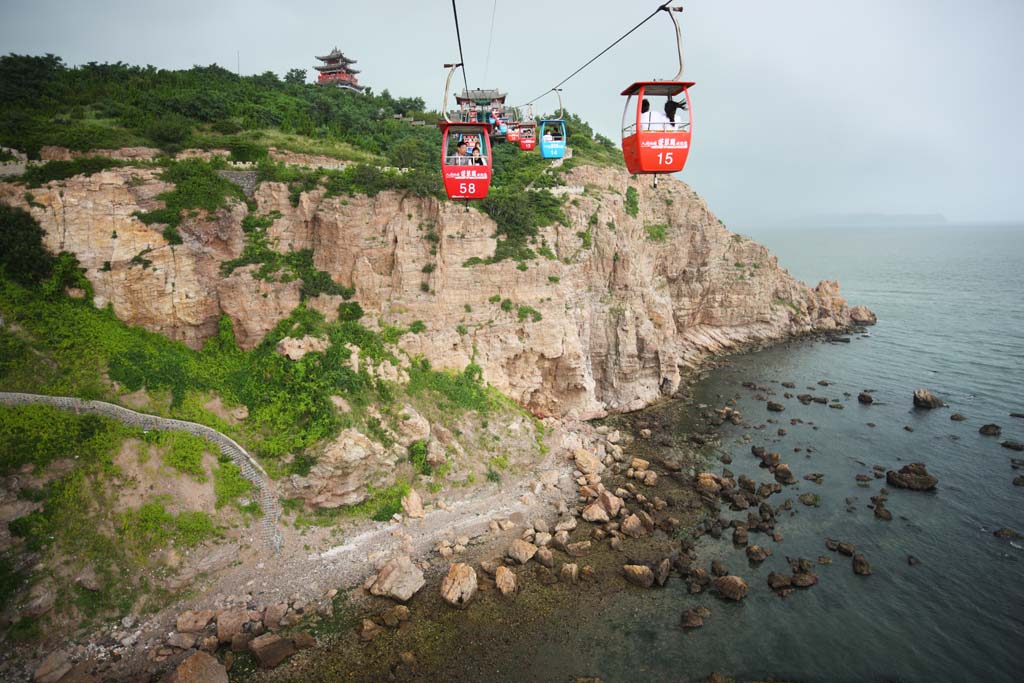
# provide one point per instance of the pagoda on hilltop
(337, 70)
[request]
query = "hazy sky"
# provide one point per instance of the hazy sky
(801, 107)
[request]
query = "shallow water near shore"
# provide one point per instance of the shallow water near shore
(950, 303)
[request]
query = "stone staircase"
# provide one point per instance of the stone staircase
(270, 533)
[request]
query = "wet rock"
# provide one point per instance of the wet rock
(691, 619)
(775, 407)
(805, 579)
(200, 667)
(731, 587)
(913, 561)
(861, 566)
(740, 536)
(522, 551)
(926, 399)
(990, 430)
(639, 575)
(881, 512)
(914, 477)
(1018, 480)
(810, 499)
(865, 398)
(399, 579)
(505, 581)
(756, 553)
(847, 549)
(633, 527)
(778, 581)
(957, 417)
(270, 649)
(662, 571)
(824, 559)
(718, 569)
(459, 585)
(1007, 533)
(784, 475)
(1013, 445)
(368, 630)
(391, 618)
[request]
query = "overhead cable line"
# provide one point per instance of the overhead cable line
(490, 41)
(661, 7)
(458, 35)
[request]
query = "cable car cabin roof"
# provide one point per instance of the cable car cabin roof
(465, 127)
(656, 88)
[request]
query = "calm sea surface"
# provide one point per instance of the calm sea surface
(950, 303)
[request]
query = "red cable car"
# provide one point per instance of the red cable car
(466, 176)
(513, 132)
(527, 135)
(652, 142)
(657, 139)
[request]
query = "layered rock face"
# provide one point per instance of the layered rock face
(609, 324)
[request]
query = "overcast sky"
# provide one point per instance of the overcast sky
(802, 107)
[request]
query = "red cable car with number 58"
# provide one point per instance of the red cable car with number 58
(657, 139)
(465, 153)
(465, 159)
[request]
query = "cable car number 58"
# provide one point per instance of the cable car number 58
(665, 158)
(470, 188)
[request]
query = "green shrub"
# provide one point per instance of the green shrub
(36, 176)
(196, 186)
(23, 258)
(554, 279)
(656, 232)
(417, 326)
(461, 329)
(229, 484)
(506, 305)
(632, 202)
(349, 311)
(525, 312)
(418, 458)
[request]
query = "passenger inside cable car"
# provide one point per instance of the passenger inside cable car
(465, 152)
(676, 114)
(652, 119)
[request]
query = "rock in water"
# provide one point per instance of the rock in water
(756, 553)
(990, 430)
(861, 566)
(505, 580)
(784, 475)
(865, 398)
(775, 407)
(198, 668)
(639, 575)
(731, 587)
(913, 476)
(459, 586)
(778, 581)
(957, 417)
(399, 579)
(862, 315)
(926, 399)
(271, 649)
(1013, 445)
(1007, 533)
(691, 619)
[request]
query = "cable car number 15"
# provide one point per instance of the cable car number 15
(665, 158)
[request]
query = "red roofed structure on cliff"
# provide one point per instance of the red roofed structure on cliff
(337, 70)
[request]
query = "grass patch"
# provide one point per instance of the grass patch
(656, 232)
(632, 202)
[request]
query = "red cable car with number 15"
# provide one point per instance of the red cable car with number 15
(657, 139)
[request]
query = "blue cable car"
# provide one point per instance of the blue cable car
(552, 133)
(552, 138)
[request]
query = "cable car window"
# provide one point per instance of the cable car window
(629, 117)
(468, 149)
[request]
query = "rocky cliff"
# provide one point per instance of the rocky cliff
(609, 321)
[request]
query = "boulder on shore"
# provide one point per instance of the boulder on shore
(270, 650)
(399, 579)
(913, 476)
(639, 575)
(198, 668)
(926, 399)
(505, 580)
(459, 585)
